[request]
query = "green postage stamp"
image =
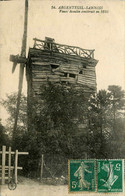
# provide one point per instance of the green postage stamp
(81, 175)
(96, 175)
(110, 175)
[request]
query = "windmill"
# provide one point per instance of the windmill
(50, 62)
(22, 61)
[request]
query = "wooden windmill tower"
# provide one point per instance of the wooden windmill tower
(49, 61)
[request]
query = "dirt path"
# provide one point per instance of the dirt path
(28, 187)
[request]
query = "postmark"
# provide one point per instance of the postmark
(81, 175)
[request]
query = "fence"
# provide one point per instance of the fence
(6, 167)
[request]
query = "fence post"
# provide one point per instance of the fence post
(9, 164)
(86, 157)
(16, 163)
(3, 163)
(41, 169)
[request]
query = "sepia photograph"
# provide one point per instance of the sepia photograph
(62, 97)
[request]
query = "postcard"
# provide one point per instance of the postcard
(62, 97)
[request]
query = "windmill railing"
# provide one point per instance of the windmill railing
(64, 49)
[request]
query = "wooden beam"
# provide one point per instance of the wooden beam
(12, 167)
(18, 59)
(3, 163)
(9, 165)
(23, 153)
(5, 178)
(19, 153)
(16, 163)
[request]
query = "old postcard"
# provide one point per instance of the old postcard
(62, 97)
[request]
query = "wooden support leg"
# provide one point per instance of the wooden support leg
(3, 163)
(9, 164)
(16, 164)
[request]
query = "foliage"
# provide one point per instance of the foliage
(69, 123)
(105, 111)
(3, 135)
(98, 111)
(10, 105)
(57, 121)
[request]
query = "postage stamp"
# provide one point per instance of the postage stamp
(110, 175)
(106, 176)
(81, 175)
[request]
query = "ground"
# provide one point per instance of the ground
(28, 187)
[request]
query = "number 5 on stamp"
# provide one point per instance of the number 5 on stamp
(81, 175)
(110, 175)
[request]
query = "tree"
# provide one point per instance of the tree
(3, 135)
(58, 119)
(117, 112)
(117, 103)
(55, 120)
(67, 122)
(60, 112)
(98, 123)
(104, 115)
(10, 105)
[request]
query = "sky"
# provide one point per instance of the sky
(104, 32)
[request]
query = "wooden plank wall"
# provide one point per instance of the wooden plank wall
(59, 68)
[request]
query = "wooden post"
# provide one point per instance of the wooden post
(9, 164)
(16, 164)
(3, 163)
(9, 167)
(41, 169)
(86, 157)
(93, 54)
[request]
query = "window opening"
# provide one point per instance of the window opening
(72, 75)
(54, 66)
(65, 74)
